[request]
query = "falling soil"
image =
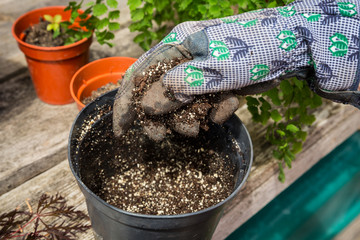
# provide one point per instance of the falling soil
(39, 36)
(100, 91)
(179, 175)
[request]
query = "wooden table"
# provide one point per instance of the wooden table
(34, 135)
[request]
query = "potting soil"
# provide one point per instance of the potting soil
(179, 175)
(39, 36)
(100, 91)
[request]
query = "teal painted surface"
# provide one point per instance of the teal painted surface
(317, 206)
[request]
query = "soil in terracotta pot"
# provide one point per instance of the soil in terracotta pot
(179, 175)
(100, 91)
(39, 36)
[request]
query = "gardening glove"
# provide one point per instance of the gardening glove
(317, 40)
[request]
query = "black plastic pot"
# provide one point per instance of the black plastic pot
(109, 222)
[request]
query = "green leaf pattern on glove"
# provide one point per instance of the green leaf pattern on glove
(340, 45)
(195, 76)
(247, 23)
(347, 9)
(220, 50)
(259, 72)
(170, 38)
(288, 39)
(287, 11)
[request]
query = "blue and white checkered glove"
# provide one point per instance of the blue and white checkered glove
(251, 52)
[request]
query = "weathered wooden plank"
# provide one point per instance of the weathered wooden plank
(33, 134)
(58, 179)
(261, 187)
(335, 123)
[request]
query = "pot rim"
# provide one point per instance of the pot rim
(138, 215)
(20, 41)
(90, 64)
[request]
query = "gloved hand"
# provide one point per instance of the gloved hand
(316, 40)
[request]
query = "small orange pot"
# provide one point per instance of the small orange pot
(51, 68)
(97, 74)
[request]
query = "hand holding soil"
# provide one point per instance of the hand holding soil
(160, 113)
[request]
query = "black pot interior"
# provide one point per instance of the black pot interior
(92, 144)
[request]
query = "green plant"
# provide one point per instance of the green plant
(154, 18)
(98, 17)
(52, 219)
(54, 24)
(285, 110)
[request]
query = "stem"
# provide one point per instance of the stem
(34, 218)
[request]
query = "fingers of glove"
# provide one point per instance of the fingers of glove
(189, 129)
(200, 77)
(123, 111)
(155, 130)
(225, 108)
(155, 101)
(123, 108)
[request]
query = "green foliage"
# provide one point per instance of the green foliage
(98, 17)
(153, 19)
(286, 110)
(286, 117)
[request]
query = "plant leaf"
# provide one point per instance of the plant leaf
(275, 115)
(102, 23)
(292, 128)
(57, 18)
(114, 14)
(114, 26)
(137, 15)
(48, 18)
(99, 9)
(112, 3)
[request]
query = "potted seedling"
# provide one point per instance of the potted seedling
(56, 41)
(176, 188)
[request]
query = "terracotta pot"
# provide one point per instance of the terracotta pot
(51, 68)
(96, 74)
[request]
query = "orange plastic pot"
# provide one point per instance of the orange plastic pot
(51, 68)
(97, 74)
